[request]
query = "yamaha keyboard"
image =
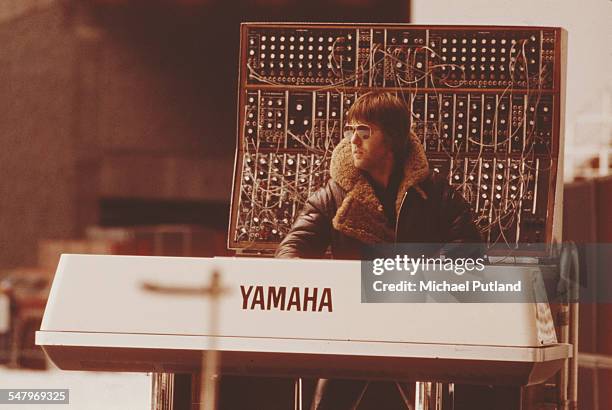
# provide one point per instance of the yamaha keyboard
(283, 318)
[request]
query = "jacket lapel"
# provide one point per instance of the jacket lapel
(361, 215)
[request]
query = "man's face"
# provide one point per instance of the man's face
(368, 145)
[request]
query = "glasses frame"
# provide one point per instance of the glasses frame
(363, 131)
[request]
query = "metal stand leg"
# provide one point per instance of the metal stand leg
(162, 388)
(423, 392)
(408, 401)
(297, 397)
(430, 396)
(448, 403)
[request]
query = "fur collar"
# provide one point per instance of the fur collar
(361, 214)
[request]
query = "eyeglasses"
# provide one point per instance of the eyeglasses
(363, 131)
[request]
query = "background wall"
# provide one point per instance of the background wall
(37, 190)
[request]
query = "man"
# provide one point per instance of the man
(381, 191)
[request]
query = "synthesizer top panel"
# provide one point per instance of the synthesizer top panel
(402, 57)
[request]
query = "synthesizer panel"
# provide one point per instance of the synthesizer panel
(486, 102)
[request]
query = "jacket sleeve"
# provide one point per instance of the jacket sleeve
(310, 234)
(460, 219)
(463, 236)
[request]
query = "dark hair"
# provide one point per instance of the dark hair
(389, 113)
